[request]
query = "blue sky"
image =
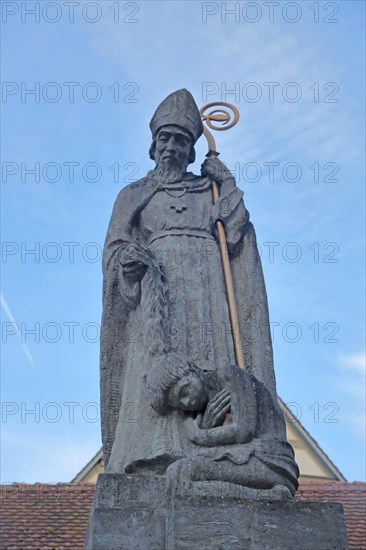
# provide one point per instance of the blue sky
(296, 76)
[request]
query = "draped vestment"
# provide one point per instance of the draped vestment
(175, 224)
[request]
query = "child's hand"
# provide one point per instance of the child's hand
(216, 410)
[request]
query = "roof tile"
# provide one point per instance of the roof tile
(54, 516)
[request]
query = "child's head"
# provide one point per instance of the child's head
(174, 381)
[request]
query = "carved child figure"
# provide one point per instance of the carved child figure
(231, 417)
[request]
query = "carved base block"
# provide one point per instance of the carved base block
(134, 512)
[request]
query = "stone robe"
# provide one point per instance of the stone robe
(175, 224)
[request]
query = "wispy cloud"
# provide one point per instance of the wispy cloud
(353, 373)
(236, 55)
(351, 379)
(25, 349)
(355, 362)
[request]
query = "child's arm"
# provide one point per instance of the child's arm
(222, 435)
(243, 409)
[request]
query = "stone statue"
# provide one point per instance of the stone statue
(246, 446)
(171, 394)
(184, 428)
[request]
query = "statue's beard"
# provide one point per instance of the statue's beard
(169, 174)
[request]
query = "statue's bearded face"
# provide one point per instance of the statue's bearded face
(173, 148)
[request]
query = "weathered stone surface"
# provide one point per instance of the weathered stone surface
(128, 513)
(133, 512)
(220, 524)
(170, 388)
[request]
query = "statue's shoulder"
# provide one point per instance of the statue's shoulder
(133, 189)
(235, 375)
(229, 374)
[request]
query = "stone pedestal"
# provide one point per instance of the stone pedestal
(129, 513)
(134, 512)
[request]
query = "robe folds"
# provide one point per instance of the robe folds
(179, 305)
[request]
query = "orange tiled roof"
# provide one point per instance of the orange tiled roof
(353, 498)
(54, 517)
(45, 516)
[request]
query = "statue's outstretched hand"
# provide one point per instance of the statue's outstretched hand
(134, 261)
(215, 169)
(216, 410)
